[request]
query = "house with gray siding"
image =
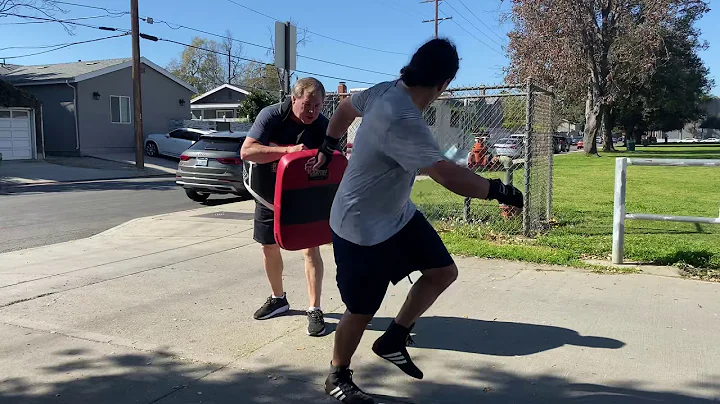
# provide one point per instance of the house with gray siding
(88, 105)
(219, 103)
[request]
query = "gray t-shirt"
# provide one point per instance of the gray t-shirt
(392, 143)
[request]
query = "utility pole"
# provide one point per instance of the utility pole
(287, 57)
(229, 66)
(436, 20)
(137, 96)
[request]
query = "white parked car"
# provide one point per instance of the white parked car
(173, 143)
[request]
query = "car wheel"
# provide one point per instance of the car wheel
(196, 196)
(151, 149)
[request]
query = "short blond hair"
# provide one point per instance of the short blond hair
(308, 85)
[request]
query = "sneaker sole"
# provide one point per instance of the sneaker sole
(317, 334)
(274, 313)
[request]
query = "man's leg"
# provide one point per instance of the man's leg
(314, 276)
(420, 248)
(362, 281)
(272, 261)
(424, 292)
(348, 334)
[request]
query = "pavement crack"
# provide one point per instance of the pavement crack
(509, 277)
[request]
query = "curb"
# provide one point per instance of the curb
(65, 182)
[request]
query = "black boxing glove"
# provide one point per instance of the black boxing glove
(505, 194)
(327, 148)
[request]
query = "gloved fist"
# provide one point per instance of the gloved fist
(505, 194)
(327, 148)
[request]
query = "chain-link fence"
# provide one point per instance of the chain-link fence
(500, 132)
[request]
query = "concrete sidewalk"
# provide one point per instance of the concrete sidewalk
(159, 310)
(167, 165)
(55, 170)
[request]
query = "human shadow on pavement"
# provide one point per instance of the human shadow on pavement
(88, 376)
(497, 338)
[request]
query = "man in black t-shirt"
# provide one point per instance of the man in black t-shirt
(293, 125)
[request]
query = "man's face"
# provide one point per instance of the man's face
(307, 108)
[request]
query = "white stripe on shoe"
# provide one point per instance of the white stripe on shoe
(342, 397)
(393, 355)
(335, 390)
(338, 394)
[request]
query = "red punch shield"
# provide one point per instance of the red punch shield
(303, 200)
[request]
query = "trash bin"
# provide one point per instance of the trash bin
(631, 145)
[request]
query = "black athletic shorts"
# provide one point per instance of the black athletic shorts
(365, 272)
(264, 225)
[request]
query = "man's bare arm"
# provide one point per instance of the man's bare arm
(254, 151)
(342, 119)
(458, 179)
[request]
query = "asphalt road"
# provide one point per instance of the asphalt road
(34, 216)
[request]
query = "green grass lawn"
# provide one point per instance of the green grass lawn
(582, 211)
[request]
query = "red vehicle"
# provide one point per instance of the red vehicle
(580, 144)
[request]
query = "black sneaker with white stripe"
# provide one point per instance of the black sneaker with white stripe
(339, 385)
(272, 307)
(391, 346)
(316, 323)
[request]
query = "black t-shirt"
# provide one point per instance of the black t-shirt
(275, 125)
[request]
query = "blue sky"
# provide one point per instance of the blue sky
(386, 25)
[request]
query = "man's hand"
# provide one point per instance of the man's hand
(296, 148)
(315, 163)
(505, 194)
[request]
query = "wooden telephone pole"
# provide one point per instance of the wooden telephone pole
(436, 20)
(137, 96)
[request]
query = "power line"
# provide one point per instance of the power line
(60, 21)
(478, 39)
(321, 35)
(67, 22)
(65, 46)
(34, 47)
(481, 21)
(168, 23)
(262, 63)
(107, 10)
(471, 24)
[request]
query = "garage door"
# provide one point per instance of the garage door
(15, 134)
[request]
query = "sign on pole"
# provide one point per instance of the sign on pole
(285, 45)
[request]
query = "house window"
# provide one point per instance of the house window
(430, 116)
(455, 118)
(119, 109)
(223, 113)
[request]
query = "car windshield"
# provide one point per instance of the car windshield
(218, 144)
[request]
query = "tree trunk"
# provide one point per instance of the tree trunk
(593, 113)
(608, 145)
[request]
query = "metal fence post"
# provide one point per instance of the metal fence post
(618, 238)
(527, 230)
(551, 149)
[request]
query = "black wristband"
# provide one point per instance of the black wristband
(327, 148)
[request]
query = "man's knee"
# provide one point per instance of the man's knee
(443, 277)
(270, 249)
(312, 254)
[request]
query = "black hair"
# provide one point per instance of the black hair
(432, 65)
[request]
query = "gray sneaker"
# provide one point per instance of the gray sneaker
(316, 323)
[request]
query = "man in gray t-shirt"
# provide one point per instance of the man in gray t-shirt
(379, 237)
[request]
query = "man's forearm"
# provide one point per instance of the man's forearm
(261, 154)
(342, 119)
(459, 180)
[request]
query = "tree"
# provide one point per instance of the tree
(232, 52)
(589, 49)
(46, 8)
(199, 65)
(513, 111)
(261, 77)
(254, 103)
(676, 92)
